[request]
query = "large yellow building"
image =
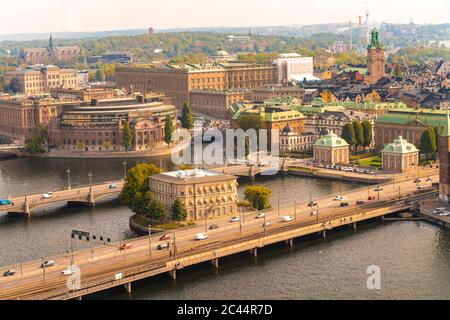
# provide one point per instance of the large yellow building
(205, 194)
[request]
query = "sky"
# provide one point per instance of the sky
(43, 16)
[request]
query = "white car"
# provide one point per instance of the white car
(47, 195)
(378, 189)
(287, 219)
(267, 224)
(445, 214)
(340, 198)
(235, 219)
(68, 272)
(260, 216)
(200, 236)
(48, 264)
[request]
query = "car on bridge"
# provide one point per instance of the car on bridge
(340, 198)
(235, 219)
(69, 271)
(48, 264)
(260, 216)
(344, 204)
(200, 237)
(378, 189)
(4, 202)
(444, 214)
(287, 219)
(164, 238)
(360, 203)
(126, 246)
(312, 204)
(9, 273)
(47, 195)
(214, 227)
(113, 186)
(163, 246)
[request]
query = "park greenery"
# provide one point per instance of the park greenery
(358, 135)
(187, 120)
(137, 196)
(258, 197)
(36, 144)
(429, 143)
(168, 130)
(127, 139)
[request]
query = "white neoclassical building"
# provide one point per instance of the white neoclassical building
(331, 150)
(400, 156)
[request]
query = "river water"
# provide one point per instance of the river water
(414, 257)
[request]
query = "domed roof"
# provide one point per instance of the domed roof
(221, 53)
(400, 146)
(331, 140)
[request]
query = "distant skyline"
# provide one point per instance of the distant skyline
(44, 16)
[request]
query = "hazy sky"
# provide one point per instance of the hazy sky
(33, 16)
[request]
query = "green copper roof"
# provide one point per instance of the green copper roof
(400, 146)
(419, 117)
(375, 40)
(331, 140)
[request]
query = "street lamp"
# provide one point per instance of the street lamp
(90, 180)
(69, 187)
(25, 185)
(124, 169)
(8, 180)
(150, 239)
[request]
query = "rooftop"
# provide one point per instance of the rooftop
(331, 140)
(400, 146)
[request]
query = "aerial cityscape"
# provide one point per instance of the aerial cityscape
(253, 154)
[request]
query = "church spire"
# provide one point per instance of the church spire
(50, 42)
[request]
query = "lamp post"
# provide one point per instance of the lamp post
(124, 169)
(69, 186)
(25, 185)
(90, 180)
(150, 239)
(8, 180)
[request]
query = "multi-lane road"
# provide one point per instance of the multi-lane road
(106, 260)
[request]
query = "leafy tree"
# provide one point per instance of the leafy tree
(348, 134)
(437, 133)
(258, 197)
(36, 144)
(168, 130)
(428, 143)
(99, 75)
(359, 133)
(398, 71)
(179, 212)
(368, 133)
(137, 185)
(187, 121)
(14, 85)
(127, 136)
(155, 210)
(251, 121)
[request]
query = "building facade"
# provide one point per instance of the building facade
(204, 194)
(262, 94)
(39, 80)
(444, 163)
(50, 54)
(291, 141)
(215, 102)
(331, 150)
(292, 66)
(376, 61)
(22, 117)
(98, 126)
(178, 81)
(400, 156)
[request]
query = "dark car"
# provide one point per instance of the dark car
(360, 203)
(9, 273)
(344, 204)
(312, 204)
(213, 227)
(417, 180)
(164, 238)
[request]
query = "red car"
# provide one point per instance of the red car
(164, 238)
(372, 198)
(125, 246)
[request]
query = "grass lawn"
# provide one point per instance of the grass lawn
(173, 225)
(370, 162)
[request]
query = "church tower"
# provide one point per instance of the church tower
(376, 61)
(444, 162)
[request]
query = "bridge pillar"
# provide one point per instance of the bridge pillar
(128, 287)
(254, 252)
(91, 200)
(251, 172)
(354, 225)
(26, 208)
(215, 263)
(80, 298)
(324, 234)
(173, 274)
(290, 243)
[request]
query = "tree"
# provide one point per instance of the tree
(437, 133)
(168, 130)
(37, 143)
(179, 212)
(187, 121)
(14, 85)
(359, 134)
(397, 71)
(368, 133)
(428, 143)
(99, 75)
(127, 137)
(155, 211)
(137, 185)
(251, 121)
(348, 134)
(258, 197)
